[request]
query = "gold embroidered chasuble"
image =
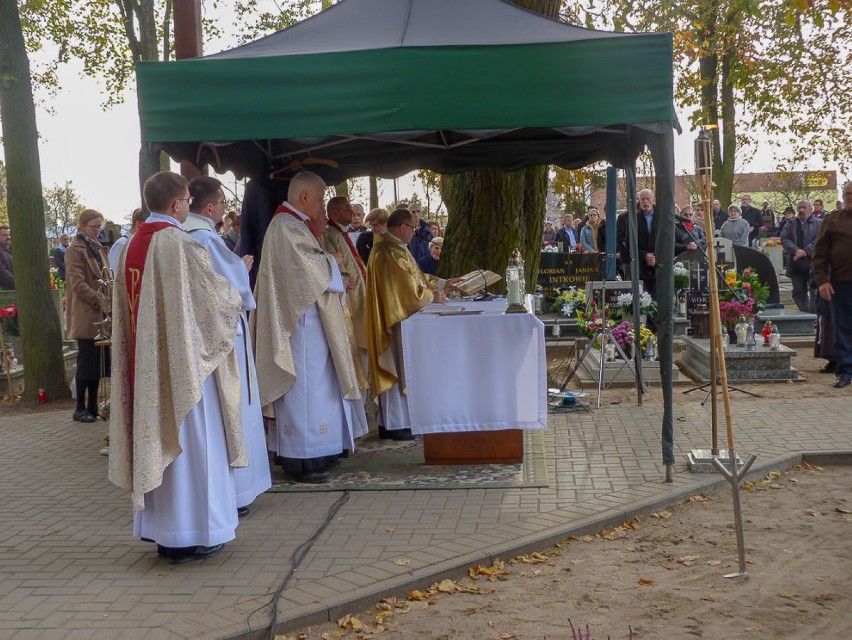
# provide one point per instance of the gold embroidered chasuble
(294, 274)
(185, 328)
(333, 241)
(396, 289)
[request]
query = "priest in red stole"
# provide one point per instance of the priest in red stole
(304, 361)
(175, 431)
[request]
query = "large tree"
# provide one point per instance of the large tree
(750, 68)
(40, 332)
(62, 207)
(492, 212)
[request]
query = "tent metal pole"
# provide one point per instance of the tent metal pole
(662, 151)
(633, 239)
(610, 230)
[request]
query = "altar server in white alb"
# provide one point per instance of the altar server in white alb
(304, 361)
(206, 207)
(175, 432)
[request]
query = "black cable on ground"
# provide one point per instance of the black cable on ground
(295, 560)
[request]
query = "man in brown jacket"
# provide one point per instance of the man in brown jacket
(832, 267)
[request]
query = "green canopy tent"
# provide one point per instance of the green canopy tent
(383, 87)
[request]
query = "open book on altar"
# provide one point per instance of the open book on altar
(476, 281)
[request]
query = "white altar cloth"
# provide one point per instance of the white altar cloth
(482, 372)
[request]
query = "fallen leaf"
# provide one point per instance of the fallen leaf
(447, 586)
(380, 617)
(401, 562)
(774, 475)
(614, 534)
(492, 624)
(588, 538)
(416, 595)
(812, 512)
(418, 604)
(645, 581)
(663, 515)
(391, 529)
(714, 563)
(351, 623)
(334, 635)
(688, 561)
(709, 598)
(839, 510)
(507, 636)
(701, 497)
(785, 594)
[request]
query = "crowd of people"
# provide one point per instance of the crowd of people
(816, 243)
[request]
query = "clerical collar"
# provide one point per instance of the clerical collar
(296, 211)
(162, 217)
(388, 234)
(204, 219)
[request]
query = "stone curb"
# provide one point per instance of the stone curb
(456, 568)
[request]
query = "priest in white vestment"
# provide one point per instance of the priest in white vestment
(208, 206)
(175, 433)
(304, 362)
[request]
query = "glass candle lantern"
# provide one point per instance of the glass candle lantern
(775, 339)
(751, 343)
(741, 329)
(515, 283)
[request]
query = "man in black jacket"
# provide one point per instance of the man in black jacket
(646, 226)
(753, 216)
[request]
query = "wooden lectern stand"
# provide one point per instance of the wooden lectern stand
(474, 447)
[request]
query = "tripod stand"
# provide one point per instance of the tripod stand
(731, 387)
(605, 337)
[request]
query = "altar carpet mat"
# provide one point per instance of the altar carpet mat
(383, 465)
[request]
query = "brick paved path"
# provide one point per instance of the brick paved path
(70, 569)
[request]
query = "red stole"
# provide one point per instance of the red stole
(134, 268)
(291, 212)
(334, 225)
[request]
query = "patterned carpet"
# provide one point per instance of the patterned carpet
(379, 465)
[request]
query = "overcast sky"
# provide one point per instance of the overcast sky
(97, 150)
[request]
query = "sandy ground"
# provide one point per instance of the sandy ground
(661, 576)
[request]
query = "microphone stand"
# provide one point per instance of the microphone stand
(484, 296)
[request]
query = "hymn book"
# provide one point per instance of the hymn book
(476, 281)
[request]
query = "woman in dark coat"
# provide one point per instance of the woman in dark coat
(85, 260)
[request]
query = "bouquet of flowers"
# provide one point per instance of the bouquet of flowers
(681, 276)
(9, 320)
(55, 281)
(589, 320)
(568, 301)
(623, 304)
(730, 312)
(624, 335)
(746, 288)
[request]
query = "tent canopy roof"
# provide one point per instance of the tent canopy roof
(386, 86)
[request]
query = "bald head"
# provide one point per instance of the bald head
(306, 193)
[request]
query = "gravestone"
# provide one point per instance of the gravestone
(760, 365)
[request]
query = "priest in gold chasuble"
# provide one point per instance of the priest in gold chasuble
(396, 289)
(304, 361)
(175, 430)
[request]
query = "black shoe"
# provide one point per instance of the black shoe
(242, 512)
(830, 367)
(308, 477)
(400, 434)
(83, 416)
(182, 555)
(842, 381)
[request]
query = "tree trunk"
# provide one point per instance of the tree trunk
(374, 193)
(491, 212)
(723, 175)
(44, 367)
(342, 189)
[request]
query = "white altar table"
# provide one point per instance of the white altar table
(471, 367)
